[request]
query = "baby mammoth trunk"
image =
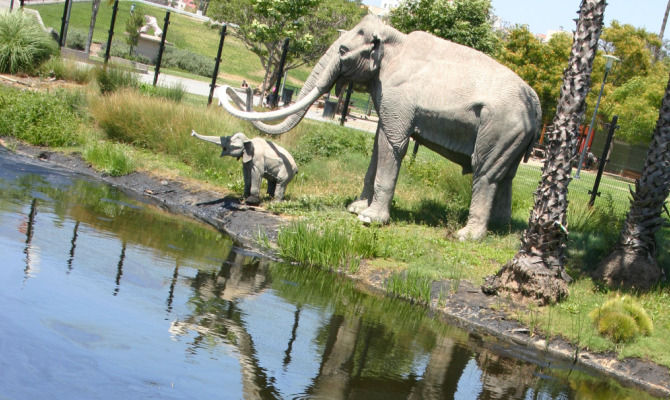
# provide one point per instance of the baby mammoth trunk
(211, 139)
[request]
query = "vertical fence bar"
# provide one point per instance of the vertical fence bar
(603, 160)
(11, 5)
(111, 30)
(217, 62)
(347, 99)
(280, 73)
(157, 70)
(22, 1)
(61, 36)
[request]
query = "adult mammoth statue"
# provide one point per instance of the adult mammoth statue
(450, 98)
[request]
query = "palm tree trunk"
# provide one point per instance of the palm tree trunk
(94, 15)
(657, 53)
(633, 261)
(537, 270)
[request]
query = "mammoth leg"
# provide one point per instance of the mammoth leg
(254, 186)
(483, 193)
(246, 172)
(272, 185)
(388, 166)
(281, 189)
(365, 198)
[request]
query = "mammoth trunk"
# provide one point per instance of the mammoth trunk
(322, 77)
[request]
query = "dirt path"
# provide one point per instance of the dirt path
(467, 307)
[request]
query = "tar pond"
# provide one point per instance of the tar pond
(105, 297)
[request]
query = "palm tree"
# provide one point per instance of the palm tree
(633, 261)
(537, 270)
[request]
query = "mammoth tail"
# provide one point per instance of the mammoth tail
(537, 110)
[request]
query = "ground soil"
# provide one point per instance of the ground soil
(466, 306)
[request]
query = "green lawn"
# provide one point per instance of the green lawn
(184, 32)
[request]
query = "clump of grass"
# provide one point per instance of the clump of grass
(111, 158)
(76, 39)
(174, 92)
(111, 79)
(339, 244)
(23, 43)
(164, 127)
(598, 219)
(622, 319)
(410, 284)
(66, 70)
(41, 118)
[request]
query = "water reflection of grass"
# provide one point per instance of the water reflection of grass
(132, 222)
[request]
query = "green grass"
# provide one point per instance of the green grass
(45, 119)
(23, 43)
(184, 32)
(111, 158)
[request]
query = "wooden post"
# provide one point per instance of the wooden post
(111, 30)
(280, 72)
(63, 23)
(603, 160)
(345, 108)
(217, 61)
(157, 70)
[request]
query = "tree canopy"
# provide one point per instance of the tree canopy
(468, 22)
(310, 25)
(540, 64)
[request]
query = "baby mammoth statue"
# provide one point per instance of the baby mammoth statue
(260, 159)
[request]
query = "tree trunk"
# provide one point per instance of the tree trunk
(537, 270)
(632, 264)
(94, 15)
(657, 53)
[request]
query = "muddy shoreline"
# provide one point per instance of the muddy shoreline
(467, 307)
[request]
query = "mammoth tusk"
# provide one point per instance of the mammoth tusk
(211, 139)
(300, 105)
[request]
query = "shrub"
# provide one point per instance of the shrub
(110, 158)
(23, 43)
(622, 319)
(329, 142)
(112, 78)
(45, 119)
(187, 61)
(76, 39)
(66, 70)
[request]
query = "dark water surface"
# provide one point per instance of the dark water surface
(103, 297)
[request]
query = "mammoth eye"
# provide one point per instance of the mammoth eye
(343, 50)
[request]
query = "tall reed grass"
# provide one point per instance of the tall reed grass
(23, 43)
(341, 244)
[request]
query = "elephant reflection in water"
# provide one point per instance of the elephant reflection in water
(217, 316)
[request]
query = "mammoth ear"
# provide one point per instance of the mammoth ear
(377, 51)
(248, 152)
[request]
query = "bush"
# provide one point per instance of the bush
(330, 143)
(122, 50)
(112, 78)
(187, 61)
(44, 119)
(23, 43)
(76, 39)
(621, 319)
(66, 70)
